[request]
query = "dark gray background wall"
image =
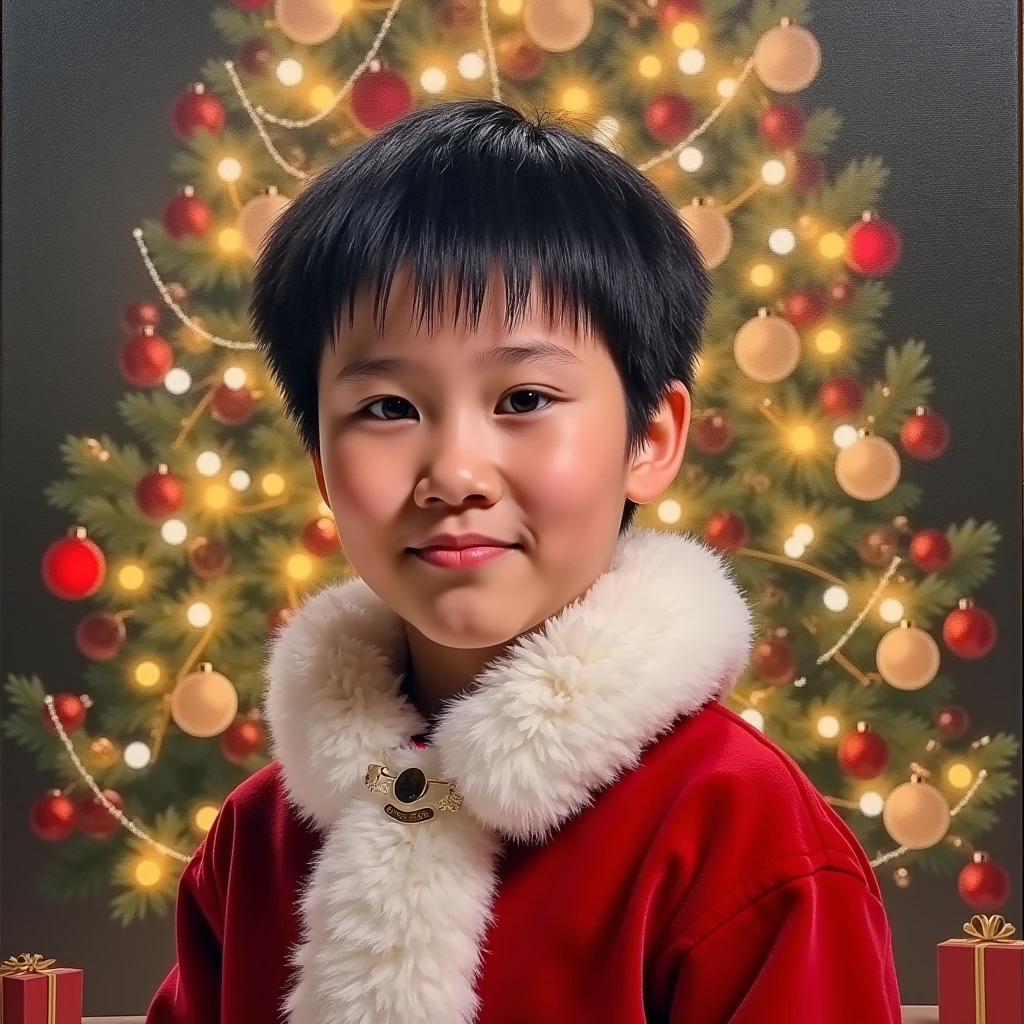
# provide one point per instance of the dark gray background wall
(86, 151)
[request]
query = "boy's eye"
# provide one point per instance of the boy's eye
(524, 401)
(391, 408)
(395, 408)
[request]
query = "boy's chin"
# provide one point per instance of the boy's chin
(471, 628)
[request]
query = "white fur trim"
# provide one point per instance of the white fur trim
(394, 914)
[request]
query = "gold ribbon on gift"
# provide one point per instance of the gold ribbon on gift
(32, 963)
(983, 931)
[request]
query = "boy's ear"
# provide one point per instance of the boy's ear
(318, 472)
(658, 462)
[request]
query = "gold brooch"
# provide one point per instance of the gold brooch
(418, 797)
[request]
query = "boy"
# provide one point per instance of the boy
(505, 790)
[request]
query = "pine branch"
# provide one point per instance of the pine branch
(83, 868)
(973, 545)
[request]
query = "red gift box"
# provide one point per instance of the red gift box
(34, 992)
(981, 978)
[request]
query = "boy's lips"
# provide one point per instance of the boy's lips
(461, 551)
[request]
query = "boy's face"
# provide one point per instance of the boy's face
(527, 449)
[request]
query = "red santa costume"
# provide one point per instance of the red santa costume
(611, 843)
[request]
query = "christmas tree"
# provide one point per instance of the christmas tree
(195, 540)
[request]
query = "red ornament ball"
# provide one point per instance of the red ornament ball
(809, 173)
(232, 406)
(145, 359)
(519, 58)
(277, 618)
(930, 550)
(70, 710)
(320, 537)
(841, 396)
(671, 12)
(863, 754)
(925, 435)
(873, 246)
(804, 307)
(725, 531)
(187, 215)
(952, 721)
(669, 117)
(94, 820)
(159, 494)
(255, 56)
(458, 15)
(100, 637)
(774, 661)
(138, 315)
(983, 885)
(842, 292)
(74, 568)
(380, 97)
(240, 740)
(782, 125)
(197, 110)
(251, 5)
(969, 632)
(712, 433)
(209, 558)
(52, 817)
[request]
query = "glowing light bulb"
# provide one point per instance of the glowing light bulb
(174, 531)
(199, 614)
(148, 873)
(177, 381)
(802, 439)
(828, 341)
(471, 66)
(773, 172)
(891, 610)
(147, 674)
(649, 66)
(691, 61)
(575, 98)
(216, 497)
(871, 804)
(229, 240)
(844, 435)
(726, 88)
(793, 548)
(299, 567)
(782, 241)
(321, 97)
(670, 511)
(235, 377)
(685, 34)
(324, 509)
(272, 484)
(131, 576)
(828, 727)
(959, 776)
(804, 533)
(208, 463)
(240, 480)
(137, 755)
(510, 7)
(289, 71)
(754, 717)
(433, 80)
(229, 169)
(691, 159)
(761, 275)
(836, 599)
(205, 816)
(831, 245)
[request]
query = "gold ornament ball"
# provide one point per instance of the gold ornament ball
(787, 58)
(307, 22)
(869, 468)
(204, 703)
(907, 658)
(711, 231)
(767, 347)
(257, 218)
(916, 815)
(102, 752)
(558, 25)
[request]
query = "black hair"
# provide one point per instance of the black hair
(454, 187)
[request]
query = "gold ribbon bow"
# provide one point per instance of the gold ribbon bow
(983, 928)
(32, 963)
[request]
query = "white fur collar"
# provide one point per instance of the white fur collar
(559, 718)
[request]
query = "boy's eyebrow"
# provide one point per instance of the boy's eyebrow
(533, 351)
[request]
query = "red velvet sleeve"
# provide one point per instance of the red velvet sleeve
(191, 992)
(815, 949)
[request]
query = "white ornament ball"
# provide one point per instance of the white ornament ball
(558, 25)
(787, 58)
(908, 658)
(711, 231)
(869, 468)
(307, 22)
(204, 703)
(916, 815)
(767, 347)
(256, 219)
